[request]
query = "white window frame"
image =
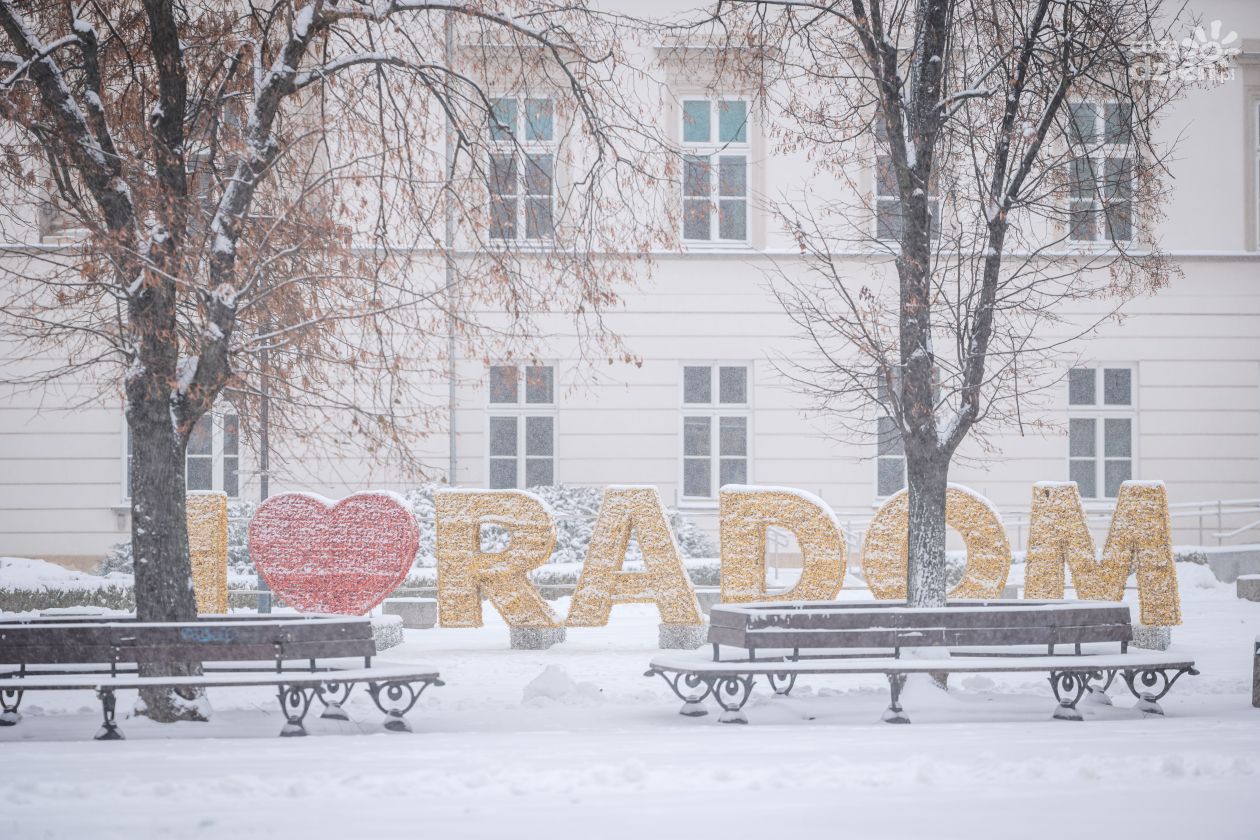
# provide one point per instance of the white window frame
(520, 410)
(521, 148)
(1099, 411)
(1099, 155)
(217, 455)
(714, 410)
(713, 149)
(1255, 171)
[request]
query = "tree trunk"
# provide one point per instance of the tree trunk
(159, 547)
(927, 475)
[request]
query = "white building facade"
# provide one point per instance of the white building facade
(1171, 392)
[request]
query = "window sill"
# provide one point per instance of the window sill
(698, 504)
(718, 248)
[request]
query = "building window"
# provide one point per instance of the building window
(715, 170)
(715, 428)
(212, 459)
(522, 430)
(1100, 429)
(1100, 177)
(522, 169)
(888, 216)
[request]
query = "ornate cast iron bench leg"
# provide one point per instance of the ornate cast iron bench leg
(295, 702)
(894, 713)
(338, 693)
(693, 704)
(731, 693)
(1150, 678)
(109, 729)
(782, 683)
(1097, 694)
(1068, 687)
(10, 699)
(395, 692)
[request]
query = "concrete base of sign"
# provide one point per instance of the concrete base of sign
(416, 613)
(1151, 638)
(535, 638)
(682, 636)
(1249, 587)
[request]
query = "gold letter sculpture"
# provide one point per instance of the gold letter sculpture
(207, 517)
(885, 548)
(466, 573)
(1140, 537)
(663, 581)
(747, 512)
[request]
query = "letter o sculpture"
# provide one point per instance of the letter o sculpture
(885, 549)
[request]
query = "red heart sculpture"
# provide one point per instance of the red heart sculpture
(326, 557)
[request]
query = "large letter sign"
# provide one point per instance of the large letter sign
(466, 573)
(207, 518)
(1140, 536)
(746, 514)
(663, 581)
(885, 549)
(338, 557)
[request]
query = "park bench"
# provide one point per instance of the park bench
(306, 657)
(781, 641)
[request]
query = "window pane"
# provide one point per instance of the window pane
(1081, 180)
(889, 438)
(1119, 219)
(733, 219)
(540, 436)
(696, 436)
(892, 476)
(231, 434)
(1081, 441)
(733, 385)
(732, 175)
(503, 384)
(538, 221)
(696, 121)
(888, 219)
(885, 180)
(503, 218)
(697, 385)
(1081, 386)
(1117, 437)
(540, 384)
(538, 170)
(696, 176)
(231, 477)
(1118, 117)
(539, 119)
(502, 435)
(539, 472)
(1118, 386)
(1083, 222)
(1115, 473)
(696, 219)
(503, 175)
(1118, 178)
(502, 473)
(503, 119)
(1085, 122)
(732, 122)
(199, 473)
(732, 436)
(733, 471)
(200, 440)
(1082, 472)
(696, 477)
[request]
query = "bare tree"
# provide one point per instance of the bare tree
(1016, 170)
(269, 180)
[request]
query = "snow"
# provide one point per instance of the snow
(28, 573)
(575, 742)
(185, 372)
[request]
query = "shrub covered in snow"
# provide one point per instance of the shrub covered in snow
(575, 509)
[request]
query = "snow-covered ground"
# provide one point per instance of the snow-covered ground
(576, 742)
